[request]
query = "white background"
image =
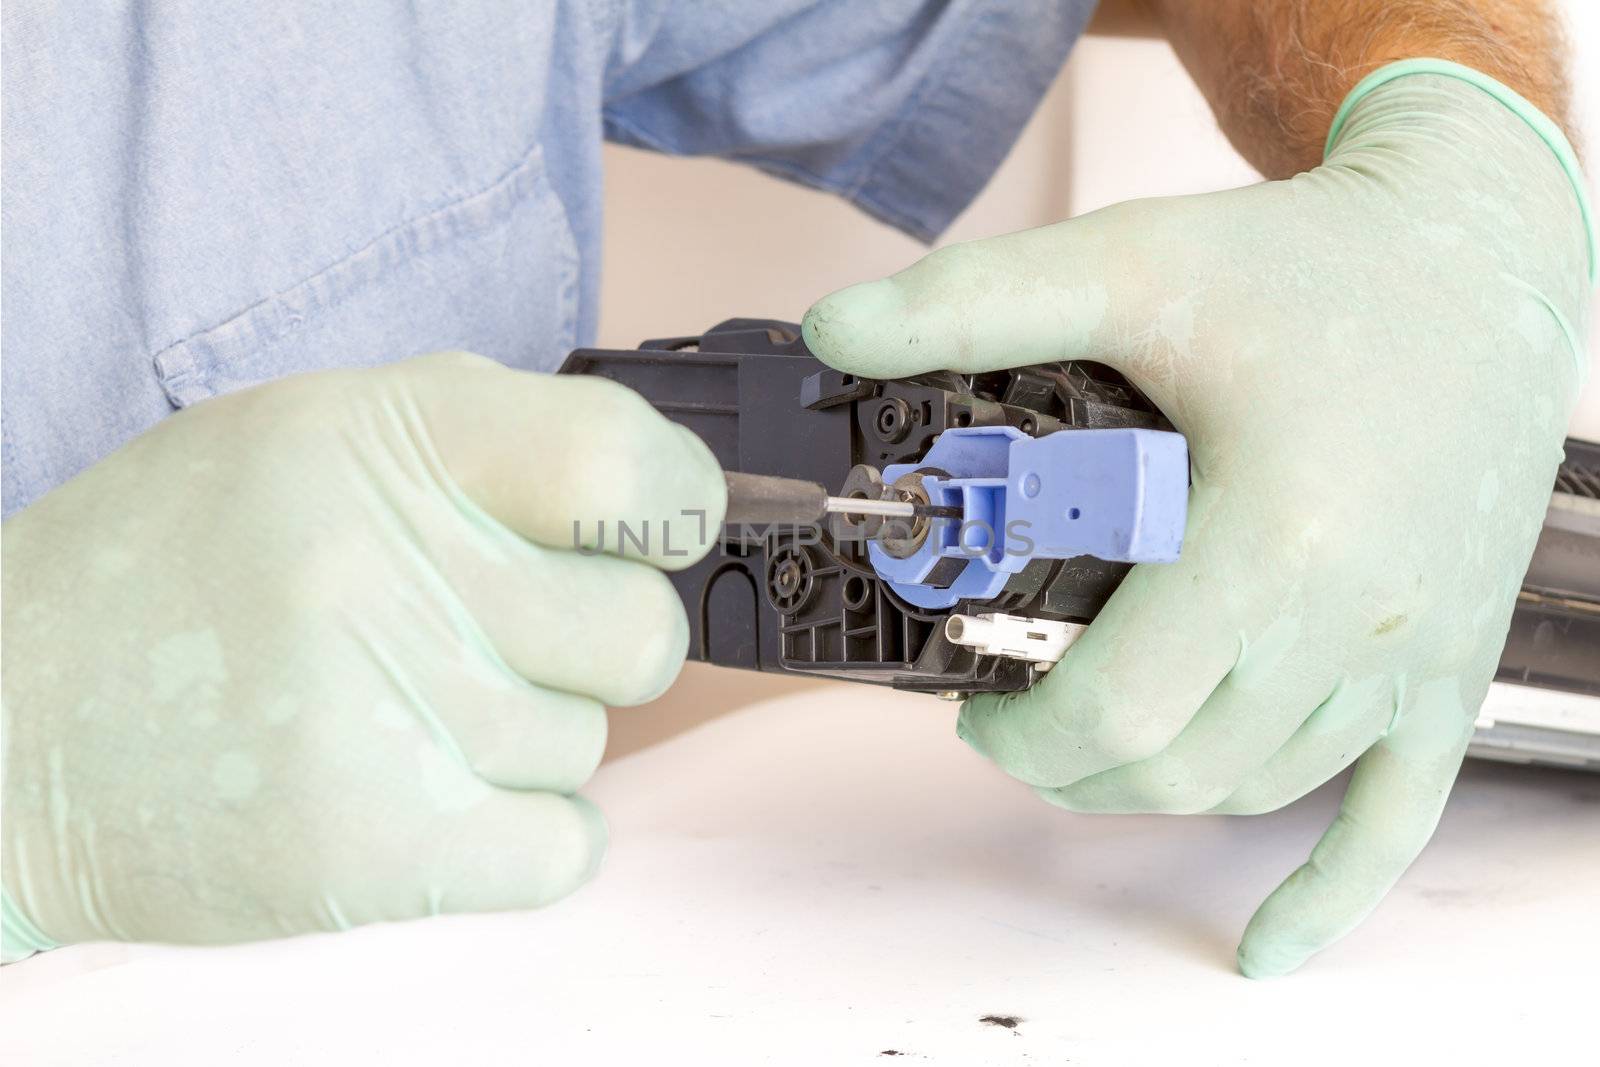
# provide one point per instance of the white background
(817, 880)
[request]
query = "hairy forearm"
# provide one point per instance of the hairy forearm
(1275, 71)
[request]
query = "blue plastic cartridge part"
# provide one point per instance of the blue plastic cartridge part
(1118, 494)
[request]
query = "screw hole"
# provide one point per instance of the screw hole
(853, 518)
(1073, 513)
(963, 418)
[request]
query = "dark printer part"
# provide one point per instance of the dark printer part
(1554, 641)
(1551, 711)
(811, 600)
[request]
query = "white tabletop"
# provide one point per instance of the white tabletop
(831, 876)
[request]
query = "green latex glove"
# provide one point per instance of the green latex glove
(321, 653)
(1374, 363)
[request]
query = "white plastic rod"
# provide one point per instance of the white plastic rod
(1040, 641)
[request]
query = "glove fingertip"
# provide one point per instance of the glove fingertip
(598, 833)
(697, 525)
(846, 329)
(1259, 957)
(966, 729)
(1000, 727)
(1276, 942)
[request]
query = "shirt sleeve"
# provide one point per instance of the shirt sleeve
(904, 108)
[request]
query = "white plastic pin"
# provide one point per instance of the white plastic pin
(1039, 641)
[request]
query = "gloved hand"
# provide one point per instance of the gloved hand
(321, 653)
(1373, 363)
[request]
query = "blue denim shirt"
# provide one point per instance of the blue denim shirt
(202, 196)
